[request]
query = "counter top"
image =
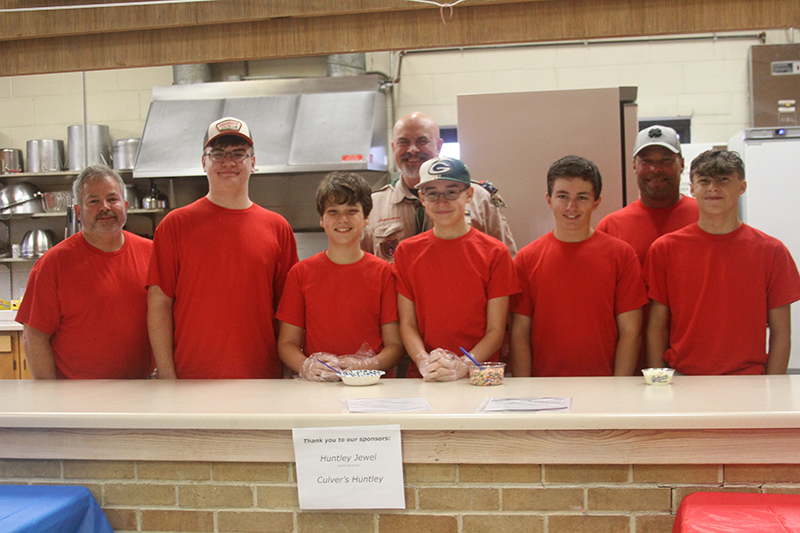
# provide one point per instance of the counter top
(701, 402)
(7, 322)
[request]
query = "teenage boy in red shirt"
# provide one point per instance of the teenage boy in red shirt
(340, 299)
(453, 281)
(717, 285)
(580, 310)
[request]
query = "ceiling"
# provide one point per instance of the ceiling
(38, 36)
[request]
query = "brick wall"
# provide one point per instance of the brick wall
(262, 497)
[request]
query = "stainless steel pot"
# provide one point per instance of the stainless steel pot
(132, 197)
(99, 141)
(20, 198)
(36, 242)
(124, 153)
(10, 160)
(45, 155)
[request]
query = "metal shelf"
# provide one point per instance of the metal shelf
(63, 213)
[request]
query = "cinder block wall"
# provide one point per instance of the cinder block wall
(262, 497)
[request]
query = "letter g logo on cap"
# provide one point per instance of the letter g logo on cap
(440, 167)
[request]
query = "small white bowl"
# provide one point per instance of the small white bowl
(359, 378)
(658, 376)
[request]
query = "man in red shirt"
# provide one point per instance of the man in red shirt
(661, 208)
(218, 270)
(85, 306)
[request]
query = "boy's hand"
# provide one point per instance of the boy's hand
(358, 362)
(313, 370)
(443, 365)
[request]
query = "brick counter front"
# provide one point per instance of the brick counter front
(217, 456)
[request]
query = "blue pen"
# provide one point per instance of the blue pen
(471, 358)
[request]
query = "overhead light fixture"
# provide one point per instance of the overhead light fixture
(111, 4)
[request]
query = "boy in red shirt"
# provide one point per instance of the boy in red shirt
(580, 310)
(717, 285)
(340, 300)
(453, 281)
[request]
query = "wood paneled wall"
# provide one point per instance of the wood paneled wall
(228, 30)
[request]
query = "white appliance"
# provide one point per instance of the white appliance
(772, 170)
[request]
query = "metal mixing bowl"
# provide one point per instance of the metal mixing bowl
(24, 197)
(36, 242)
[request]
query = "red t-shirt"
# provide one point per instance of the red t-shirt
(225, 269)
(339, 306)
(450, 282)
(93, 304)
(639, 225)
(718, 289)
(573, 291)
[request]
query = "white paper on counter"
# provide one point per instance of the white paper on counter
(499, 405)
(353, 467)
(385, 405)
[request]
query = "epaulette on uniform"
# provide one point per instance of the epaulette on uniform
(494, 193)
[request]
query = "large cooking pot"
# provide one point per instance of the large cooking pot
(19, 198)
(99, 141)
(45, 155)
(124, 153)
(10, 160)
(36, 242)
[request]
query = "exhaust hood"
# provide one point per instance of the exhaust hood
(298, 125)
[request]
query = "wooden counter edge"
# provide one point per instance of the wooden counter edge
(687, 446)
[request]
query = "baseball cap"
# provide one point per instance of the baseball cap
(227, 126)
(443, 168)
(659, 136)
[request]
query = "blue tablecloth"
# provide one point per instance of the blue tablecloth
(42, 509)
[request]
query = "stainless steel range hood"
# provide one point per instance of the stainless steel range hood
(299, 125)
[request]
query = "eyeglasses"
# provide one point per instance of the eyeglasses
(221, 155)
(449, 194)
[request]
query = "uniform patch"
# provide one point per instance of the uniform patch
(388, 247)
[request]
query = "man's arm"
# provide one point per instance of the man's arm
(779, 321)
(521, 350)
(160, 328)
(496, 317)
(629, 342)
(657, 334)
(39, 353)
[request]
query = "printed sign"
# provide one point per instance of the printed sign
(358, 467)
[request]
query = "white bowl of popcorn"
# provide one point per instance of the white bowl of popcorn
(359, 378)
(658, 376)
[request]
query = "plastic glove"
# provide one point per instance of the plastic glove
(313, 370)
(357, 362)
(443, 365)
(363, 359)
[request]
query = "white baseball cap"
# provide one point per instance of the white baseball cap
(658, 136)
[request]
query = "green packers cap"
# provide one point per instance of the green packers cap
(443, 168)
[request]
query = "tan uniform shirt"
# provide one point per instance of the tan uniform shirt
(395, 208)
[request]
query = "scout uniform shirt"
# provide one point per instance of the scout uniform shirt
(395, 217)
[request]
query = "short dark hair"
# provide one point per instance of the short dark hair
(344, 188)
(573, 166)
(715, 163)
(226, 141)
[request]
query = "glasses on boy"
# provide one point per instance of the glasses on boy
(221, 155)
(449, 194)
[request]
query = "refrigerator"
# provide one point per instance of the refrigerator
(772, 170)
(511, 139)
